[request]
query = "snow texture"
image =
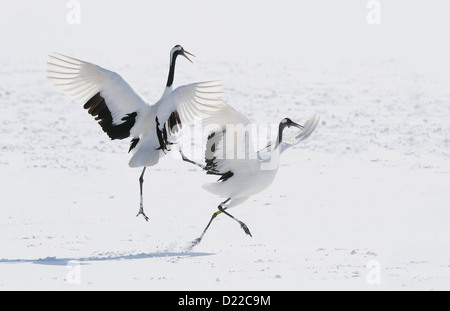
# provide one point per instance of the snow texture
(362, 204)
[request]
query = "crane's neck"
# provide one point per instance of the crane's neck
(171, 77)
(280, 135)
(270, 156)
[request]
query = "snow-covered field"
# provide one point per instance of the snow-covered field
(363, 204)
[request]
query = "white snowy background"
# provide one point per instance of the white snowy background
(365, 200)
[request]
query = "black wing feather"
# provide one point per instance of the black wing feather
(98, 108)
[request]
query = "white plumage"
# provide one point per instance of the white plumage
(122, 112)
(230, 154)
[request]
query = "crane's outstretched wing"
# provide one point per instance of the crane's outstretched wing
(186, 104)
(183, 106)
(191, 101)
(117, 107)
(295, 138)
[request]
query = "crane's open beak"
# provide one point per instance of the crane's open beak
(297, 125)
(186, 52)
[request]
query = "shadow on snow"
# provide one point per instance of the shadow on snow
(86, 260)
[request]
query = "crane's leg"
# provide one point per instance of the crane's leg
(243, 226)
(198, 240)
(141, 205)
(221, 210)
(186, 159)
(203, 167)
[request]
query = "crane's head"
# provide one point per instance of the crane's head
(179, 50)
(286, 122)
(287, 137)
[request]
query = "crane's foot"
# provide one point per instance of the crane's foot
(245, 228)
(194, 243)
(141, 212)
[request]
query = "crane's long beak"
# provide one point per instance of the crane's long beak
(298, 126)
(186, 52)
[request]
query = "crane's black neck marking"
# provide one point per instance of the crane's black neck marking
(280, 134)
(172, 68)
